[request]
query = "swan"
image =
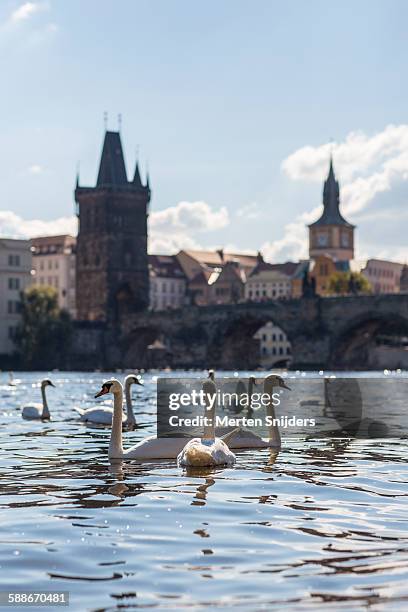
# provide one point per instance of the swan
(207, 451)
(11, 382)
(147, 449)
(244, 438)
(102, 415)
(38, 411)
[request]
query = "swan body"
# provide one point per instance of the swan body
(36, 411)
(207, 451)
(102, 415)
(98, 415)
(244, 438)
(198, 453)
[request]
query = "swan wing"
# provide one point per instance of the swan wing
(32, 411)
(243, 438)
(155, 448)
(102, 416)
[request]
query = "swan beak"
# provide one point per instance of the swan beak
(52, 384)
(103, 391)
(138, 382)
(285, 386)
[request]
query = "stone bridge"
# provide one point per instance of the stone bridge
(330, 332)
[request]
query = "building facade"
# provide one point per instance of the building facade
(168, 283)
(383, 276)
(404, 279)
(216, 277)
(274, 346)
(15, 277)
(112, 274)
(331, 234)
(54, 266)
(270, 281)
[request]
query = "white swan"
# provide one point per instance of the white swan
(38, 411)
(207, 451)
(102, 415)
(11, 382)
(149, 448)
(244, 438)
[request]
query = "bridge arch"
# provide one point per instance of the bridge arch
(145, 346)
(233, 342)
(355, 346)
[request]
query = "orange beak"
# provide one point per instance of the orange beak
(103, 391)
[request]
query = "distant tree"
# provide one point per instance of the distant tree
(44, 334)
(348, 283)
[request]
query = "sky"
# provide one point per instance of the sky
(233, 106)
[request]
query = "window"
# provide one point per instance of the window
(14, 283)
(14, 260)
(13, 307)
(12, 332)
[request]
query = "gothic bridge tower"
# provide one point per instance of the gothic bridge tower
(112, 276)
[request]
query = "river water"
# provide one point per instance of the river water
(322, 525)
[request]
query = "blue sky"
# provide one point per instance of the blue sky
(233, 104)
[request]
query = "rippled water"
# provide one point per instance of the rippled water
(321, 525)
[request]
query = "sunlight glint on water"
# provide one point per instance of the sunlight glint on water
(322, 522)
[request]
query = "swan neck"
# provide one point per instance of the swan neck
(116, 445)
(130, 417)
(209, 427)
(45, 411)
(273, 430)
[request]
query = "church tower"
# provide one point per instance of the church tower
(112, 276)
(331, 234)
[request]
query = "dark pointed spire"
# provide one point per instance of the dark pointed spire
(112, 171)
(148, 181)
(137, 181)
(77, 177)
(331, 201)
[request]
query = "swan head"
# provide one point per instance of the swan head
(252, 380)
(47, 383)
(110, 386)
(132, 379)
(276, 381)
(211, 374)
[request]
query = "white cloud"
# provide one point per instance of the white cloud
(13, 226)
(35, 169)
(189, 216)
(176, 227)
(27, 10)
(294, 243)
(249, 211)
